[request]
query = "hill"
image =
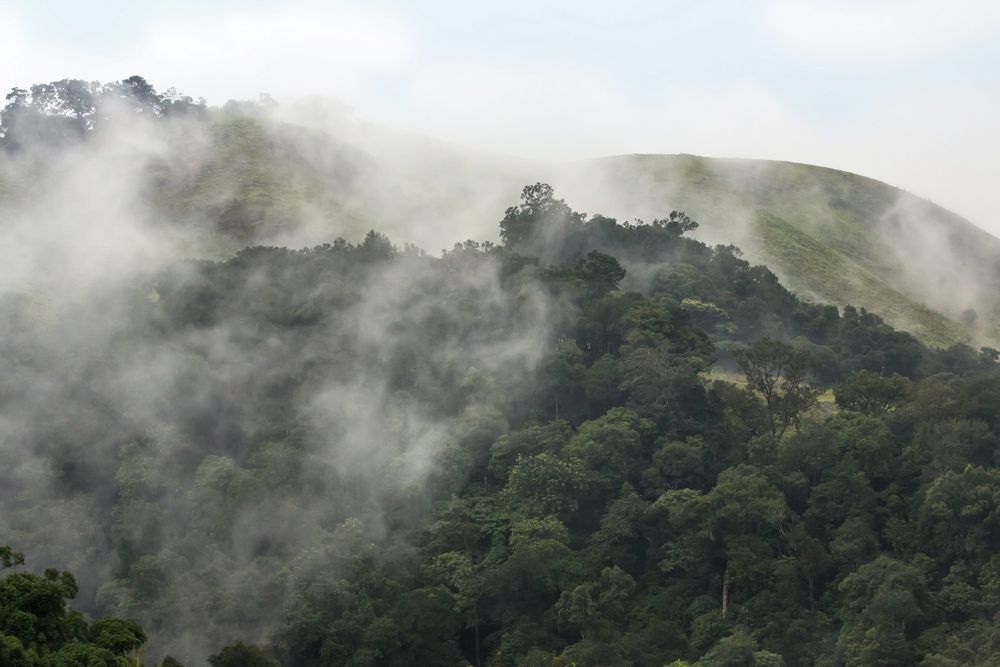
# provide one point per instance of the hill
(595, 442)
(308, 172)
(831, 235)
(361, 455)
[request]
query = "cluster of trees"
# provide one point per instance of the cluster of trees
(52, 114)
(37, 629)
(643, 515)
(700, 468)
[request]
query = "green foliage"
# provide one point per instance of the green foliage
(544, 485)
(778, 373)
(618, 496)
(37, 629)
(870, 393)
(10, 558)
(118, 635)
(241, 655)
(599, 272)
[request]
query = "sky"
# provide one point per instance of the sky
(904, 91)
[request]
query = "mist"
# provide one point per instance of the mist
(255, 344)
(125, 414)
(902, 94)
(188, 301)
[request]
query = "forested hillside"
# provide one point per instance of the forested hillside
(301, 173)
(593, 443)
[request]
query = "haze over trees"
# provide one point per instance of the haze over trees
(49, 114)
(595, 443)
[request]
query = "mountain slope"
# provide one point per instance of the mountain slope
(232, 179)
(831, 235)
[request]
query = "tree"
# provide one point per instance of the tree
(541, 224)
(880, 602)
(600, 273)
(612, 446)
(77, 654)
(33, 608)
(10, 558)
(746, 516)
(677, 223)
(118, 635)
(596, 608)
(959, 517)
(37, 629)
(464, 577)
(871, 393)
(67, 110)
(544, 485)
(777, 372)
(241, 655)
(739, 650)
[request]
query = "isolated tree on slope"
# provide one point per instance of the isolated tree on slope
(777, 372)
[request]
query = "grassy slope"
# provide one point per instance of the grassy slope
(830, 235)
(820, 271)
(269, 182)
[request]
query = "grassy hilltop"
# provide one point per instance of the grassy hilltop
(831, 235)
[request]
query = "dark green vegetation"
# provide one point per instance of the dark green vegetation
(604, 507)
(37, 629)
(514, 454)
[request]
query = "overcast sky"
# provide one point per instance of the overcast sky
(904, 91)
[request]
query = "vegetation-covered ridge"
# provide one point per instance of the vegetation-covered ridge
(511, 454)
(259, 173)
(835, 236)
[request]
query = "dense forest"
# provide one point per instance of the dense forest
(594, 443)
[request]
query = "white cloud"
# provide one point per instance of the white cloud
(538, 111)
(943, 147)
(742, 121)
(565, 114)
(284, 52)
(851, 30)
(26, 60)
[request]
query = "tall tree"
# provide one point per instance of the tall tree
(778, 372)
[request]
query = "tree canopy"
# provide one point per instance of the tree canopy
(597, 443)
